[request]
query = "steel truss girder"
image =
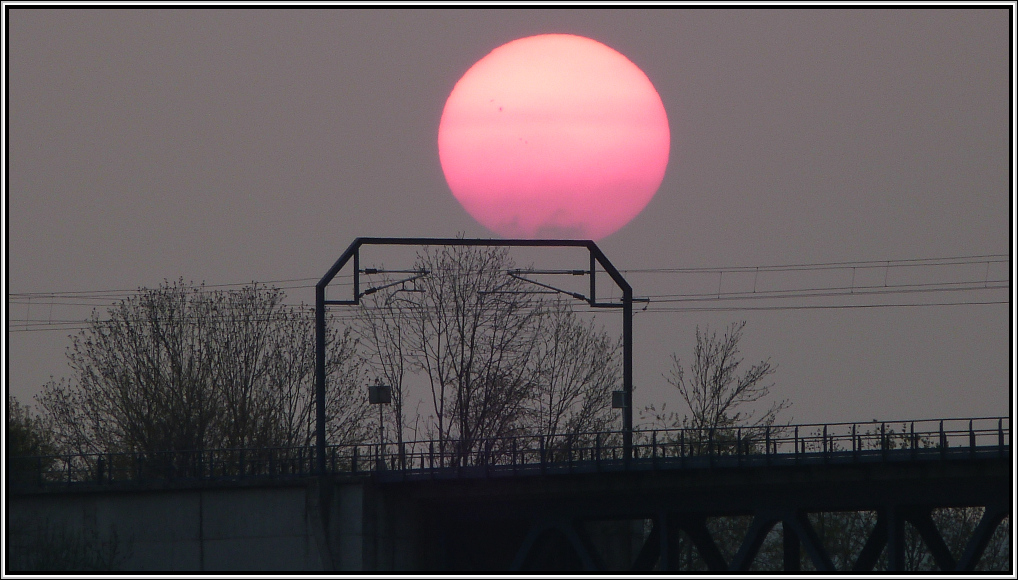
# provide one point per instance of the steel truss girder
(573, 532)
(680, 503)
(660, 546)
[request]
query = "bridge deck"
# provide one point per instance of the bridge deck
(670, 463)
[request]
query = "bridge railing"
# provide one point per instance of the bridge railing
(892, 440)
(160, 466)
(868, 438)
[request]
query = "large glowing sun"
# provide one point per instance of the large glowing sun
(554, 136)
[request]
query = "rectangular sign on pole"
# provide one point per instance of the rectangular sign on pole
(380, 394)
(618, 400)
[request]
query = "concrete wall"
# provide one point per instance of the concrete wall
(346, 525)
(356, 523)
(200, 529)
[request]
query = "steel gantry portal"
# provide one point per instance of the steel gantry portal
(597, 258)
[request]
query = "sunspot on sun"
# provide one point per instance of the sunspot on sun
(577, 142)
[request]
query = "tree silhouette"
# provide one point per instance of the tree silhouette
(719, 396)
(497, 358)
(183, 368)
(29, 441)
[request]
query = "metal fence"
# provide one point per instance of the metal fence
(652, 449)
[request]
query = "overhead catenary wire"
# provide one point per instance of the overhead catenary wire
(281, 284)
(57, 298)
(952, 260)
(96, 299)
(832, 292)
(901, 263)
(823, 306)
(66, 325)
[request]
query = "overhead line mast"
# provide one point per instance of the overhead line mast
(597, 257)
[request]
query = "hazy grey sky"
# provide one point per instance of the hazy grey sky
(237, 145)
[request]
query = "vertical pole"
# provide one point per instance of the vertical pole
(943, 440)
(738, 445)
(542, 453)
(895, 540)
(972, 439)
(569, 448)
(883, 441)
(825, 444)
(790, 548)
(1000, 437)
(627, 373)
(320, 377)
(653, 448)
(913, 438)
(665, 562)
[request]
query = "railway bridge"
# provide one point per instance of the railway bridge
(682, 500)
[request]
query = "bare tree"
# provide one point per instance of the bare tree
(27, 433)
(181, 368)
(29, 439)
(474, 330)
(576, 367)
(717, 394)
(498, 359)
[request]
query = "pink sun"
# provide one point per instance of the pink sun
(554, 136)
